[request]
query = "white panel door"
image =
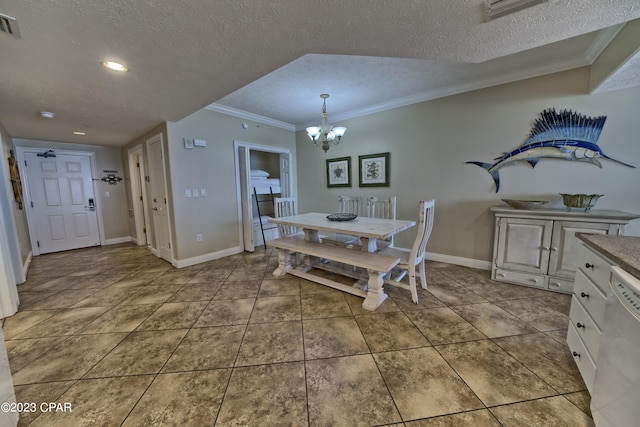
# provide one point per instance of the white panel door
(63, 206)
(245, 196)
(285, 174)
(159, 210)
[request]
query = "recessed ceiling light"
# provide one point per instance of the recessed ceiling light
(115, 66)
(46, 114)
(79, 133)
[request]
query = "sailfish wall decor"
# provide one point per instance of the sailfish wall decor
(566, 135)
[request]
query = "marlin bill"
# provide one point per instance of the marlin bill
(564, 135)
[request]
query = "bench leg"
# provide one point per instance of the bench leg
(375, 293)
(284, 263)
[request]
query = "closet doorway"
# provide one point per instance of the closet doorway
(139, 197)
(261, 171)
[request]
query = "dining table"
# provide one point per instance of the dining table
(368, 230)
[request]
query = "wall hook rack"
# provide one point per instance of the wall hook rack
(111, 179)
(47, 154)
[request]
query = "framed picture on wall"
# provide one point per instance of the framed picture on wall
(339, 172)
(374, 170)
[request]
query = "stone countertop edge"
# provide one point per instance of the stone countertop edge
(622, 250)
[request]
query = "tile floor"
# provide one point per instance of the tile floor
(128, 340)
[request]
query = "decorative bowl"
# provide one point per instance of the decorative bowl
(342, 217)
(581, 201)
(525, 204)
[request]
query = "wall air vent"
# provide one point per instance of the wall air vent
(9, 25)
(494, 9)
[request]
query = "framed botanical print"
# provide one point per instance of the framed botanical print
(374, 170)
(339, 172)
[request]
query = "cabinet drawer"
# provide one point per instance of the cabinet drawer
(520, 278)
(585, 363)
(598, 270)
(585, 327)
(560, 285)
(590, 296)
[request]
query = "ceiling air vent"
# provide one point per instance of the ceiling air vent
(494, 9)
(9, 25)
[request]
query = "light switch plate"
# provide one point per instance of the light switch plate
(187, 193)
(199, 142)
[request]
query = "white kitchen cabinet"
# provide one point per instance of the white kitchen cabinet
(538, 248)
(587, 311)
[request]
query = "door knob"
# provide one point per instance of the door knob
(587, 265)
(155, 209)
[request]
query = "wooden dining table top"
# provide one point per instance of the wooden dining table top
(373, 228)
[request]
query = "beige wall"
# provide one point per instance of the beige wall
(212, 168)
(431, 141)
(113, 208)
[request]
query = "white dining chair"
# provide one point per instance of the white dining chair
(411, 258)
(382, 207)
(350, 205)
(285, 206)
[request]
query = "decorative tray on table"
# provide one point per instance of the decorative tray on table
(342, 217)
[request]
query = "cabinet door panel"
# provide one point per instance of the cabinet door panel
(523, 244)
(564, 245)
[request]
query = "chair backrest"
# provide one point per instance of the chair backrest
(285, 206)
(381, 207)
(349, 204)
(425, 225)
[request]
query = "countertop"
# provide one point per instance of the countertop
(622, 250)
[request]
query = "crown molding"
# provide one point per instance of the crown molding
(455, 90)
(218, 108)
(601, 41)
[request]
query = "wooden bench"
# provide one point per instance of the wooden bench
(376, 264)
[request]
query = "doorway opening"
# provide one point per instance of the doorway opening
(262, 172)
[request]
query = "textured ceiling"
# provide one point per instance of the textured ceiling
(272, 59)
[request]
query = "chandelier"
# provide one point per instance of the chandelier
(325, 134)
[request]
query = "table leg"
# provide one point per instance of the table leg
(284, 263)
(375, 292)
(311, 235)
(369, 244)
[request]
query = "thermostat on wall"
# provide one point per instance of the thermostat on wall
(199, 142)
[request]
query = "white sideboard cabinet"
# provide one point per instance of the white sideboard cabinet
(538, 247)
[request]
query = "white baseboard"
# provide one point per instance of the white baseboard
(26, 266)
(126, 239)
(465, 262)
(207, 257)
